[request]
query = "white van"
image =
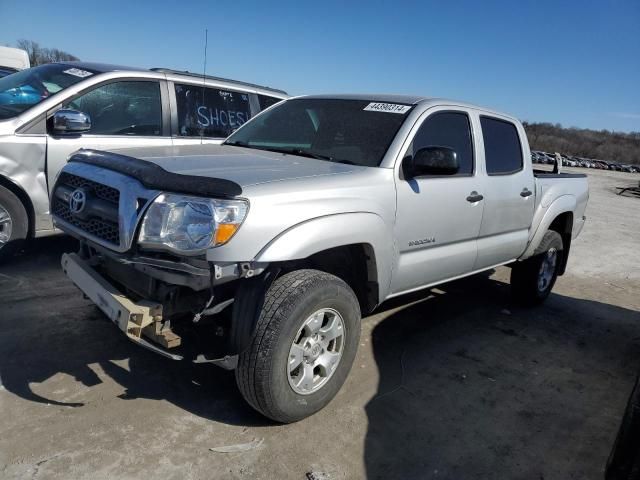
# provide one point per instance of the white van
(12, 60)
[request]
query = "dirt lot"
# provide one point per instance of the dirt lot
(452, 383)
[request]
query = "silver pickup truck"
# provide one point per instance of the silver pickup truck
(262, 254)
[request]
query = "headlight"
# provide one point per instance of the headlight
(190, 224)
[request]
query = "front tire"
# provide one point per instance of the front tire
(533, 279)
(14, 223)
(303, 347)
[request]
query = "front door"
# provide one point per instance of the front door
(123, 114)
(438, 217)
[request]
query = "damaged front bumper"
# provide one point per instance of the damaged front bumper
(135, 319)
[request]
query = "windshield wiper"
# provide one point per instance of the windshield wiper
(240, 143)
(291, 151)
(306, 153)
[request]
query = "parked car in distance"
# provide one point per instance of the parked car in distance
(573, 161)
(49, 111)
(311, 214)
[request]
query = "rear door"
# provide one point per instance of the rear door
(508, 192)
(124, 113)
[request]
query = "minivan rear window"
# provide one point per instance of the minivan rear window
(210, 112)
(266, 101)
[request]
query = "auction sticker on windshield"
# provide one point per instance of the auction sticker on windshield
(388, 107)
(76, 72)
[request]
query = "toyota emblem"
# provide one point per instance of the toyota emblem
(77, 201)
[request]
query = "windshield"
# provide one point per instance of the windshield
(22, 90)
(358, 132)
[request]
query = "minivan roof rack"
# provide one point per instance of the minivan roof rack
(219, 79)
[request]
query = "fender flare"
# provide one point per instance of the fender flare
(562, 204)
(322, 233)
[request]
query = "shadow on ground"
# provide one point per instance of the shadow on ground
(472, 387)
(47, 328)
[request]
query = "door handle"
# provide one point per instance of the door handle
(526, 192)
(474, 197)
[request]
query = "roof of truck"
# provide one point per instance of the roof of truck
(404, 99)
(373, 97)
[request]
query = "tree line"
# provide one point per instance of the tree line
(596, 144)
(39, 55)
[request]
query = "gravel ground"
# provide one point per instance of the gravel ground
(451, 383)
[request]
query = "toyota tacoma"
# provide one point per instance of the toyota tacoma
(263, 253)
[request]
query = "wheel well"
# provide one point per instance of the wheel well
(563, 224)
(355, 264)
(24, 198)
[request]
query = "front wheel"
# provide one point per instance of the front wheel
(14, 223)
(533, 279)
(303, 346)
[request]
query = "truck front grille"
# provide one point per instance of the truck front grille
(103, 228)
(105, 192)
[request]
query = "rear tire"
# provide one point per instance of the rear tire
(304, 344)
(533, 279)
(14, 223)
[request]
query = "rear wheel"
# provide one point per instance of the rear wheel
(303, 346)
(14, 224)
(533, 279)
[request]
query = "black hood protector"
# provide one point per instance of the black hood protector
(155, 177)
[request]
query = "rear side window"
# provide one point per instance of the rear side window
(122, 108)
(266, 101)
(448, 129)
(502, 149)
(210, 112)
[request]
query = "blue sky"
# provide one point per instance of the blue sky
(576, 63)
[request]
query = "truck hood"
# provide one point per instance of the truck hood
(244, 166)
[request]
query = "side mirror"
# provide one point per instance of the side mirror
(67, 121)
(431, 160)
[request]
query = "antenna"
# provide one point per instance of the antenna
(204, 73)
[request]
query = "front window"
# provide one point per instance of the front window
(122, 108)
(357, 132)
(448, 129)
(22, 90)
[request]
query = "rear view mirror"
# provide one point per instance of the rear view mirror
(432, 160)
(67, 121)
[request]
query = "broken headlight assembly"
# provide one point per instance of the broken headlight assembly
(190, 225)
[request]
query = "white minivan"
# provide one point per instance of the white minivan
(49, 111)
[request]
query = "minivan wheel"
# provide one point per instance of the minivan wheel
(533, 279)
(14, 224)
(304, 344)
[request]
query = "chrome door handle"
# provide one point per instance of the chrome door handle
(526, 192)
(474, 197)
